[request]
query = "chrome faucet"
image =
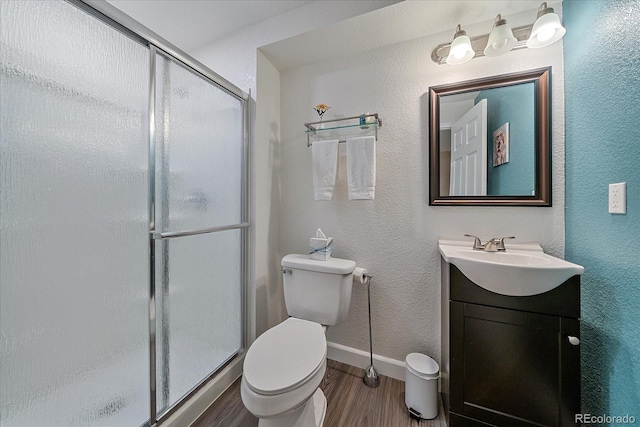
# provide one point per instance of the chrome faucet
(500, 242)
(477, 244)
(492, 245)
(495, 244)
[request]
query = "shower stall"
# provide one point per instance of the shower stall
(123, 219)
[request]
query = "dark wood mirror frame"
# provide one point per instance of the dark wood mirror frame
(542, 98)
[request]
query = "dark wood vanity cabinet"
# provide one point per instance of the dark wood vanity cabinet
(508, 361)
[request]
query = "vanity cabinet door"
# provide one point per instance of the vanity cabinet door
(513, 367)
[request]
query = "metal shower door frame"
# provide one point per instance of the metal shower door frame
(159, 286)
(113, 16)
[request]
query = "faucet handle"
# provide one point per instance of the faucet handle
(477, 244)
(500, 242)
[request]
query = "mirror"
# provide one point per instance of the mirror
(489, 141)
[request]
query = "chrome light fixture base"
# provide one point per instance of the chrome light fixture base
(546, 30)
(478, 43)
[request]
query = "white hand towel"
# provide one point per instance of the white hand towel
(325, 165)
(361, 168)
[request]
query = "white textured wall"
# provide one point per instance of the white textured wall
(236, 58)
(395, 236)
(269, 299)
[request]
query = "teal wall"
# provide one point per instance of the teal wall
(602, 116)
(515, 105)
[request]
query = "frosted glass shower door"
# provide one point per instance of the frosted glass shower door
(199, 169)
(74, 279)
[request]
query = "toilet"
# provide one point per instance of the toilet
(284, 367)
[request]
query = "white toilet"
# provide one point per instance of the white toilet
(284, 366)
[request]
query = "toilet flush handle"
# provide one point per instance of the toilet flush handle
(287, 271)
(573, 340)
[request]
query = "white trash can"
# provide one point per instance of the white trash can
(421, 386)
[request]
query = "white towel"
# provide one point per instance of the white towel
(361, 168)
(325, 165)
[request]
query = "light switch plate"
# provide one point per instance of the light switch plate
(618, 198)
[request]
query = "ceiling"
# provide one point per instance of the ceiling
(190, 24)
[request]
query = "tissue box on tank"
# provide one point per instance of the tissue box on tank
(321, 249)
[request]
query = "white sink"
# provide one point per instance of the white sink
(522, 270)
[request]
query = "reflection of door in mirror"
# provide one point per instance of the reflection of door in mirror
(445, 160)
(452, 108)
(463, 145)
(469, 153)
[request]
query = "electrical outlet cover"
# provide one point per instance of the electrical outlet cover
(618, 198)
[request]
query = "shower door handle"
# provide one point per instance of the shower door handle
(170, 234)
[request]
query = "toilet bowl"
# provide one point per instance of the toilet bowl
(284, 367)
(282, 372)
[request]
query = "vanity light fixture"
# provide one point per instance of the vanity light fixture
(547, 29)
(501, 39)
(461, 50)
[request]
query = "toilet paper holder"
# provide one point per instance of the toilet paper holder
(371, 377)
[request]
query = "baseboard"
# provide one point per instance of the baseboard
(200, 402)
(361, 359)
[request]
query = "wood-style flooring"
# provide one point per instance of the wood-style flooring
(350, 403)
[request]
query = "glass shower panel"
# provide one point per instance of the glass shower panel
(199, 315)
(199, 151)
(74, 219)
(199, 143)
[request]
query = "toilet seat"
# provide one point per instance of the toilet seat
(270, 406)
(285, 357)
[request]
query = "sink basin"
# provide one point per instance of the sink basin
(522, 270)
(506, 258)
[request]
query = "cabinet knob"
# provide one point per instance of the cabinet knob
(574, 340)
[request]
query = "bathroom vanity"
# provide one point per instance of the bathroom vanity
(509, 360)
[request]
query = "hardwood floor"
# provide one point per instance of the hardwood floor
(350, 403)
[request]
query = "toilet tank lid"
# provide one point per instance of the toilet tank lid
(332, 265)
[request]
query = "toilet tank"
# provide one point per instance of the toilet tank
(318, 291)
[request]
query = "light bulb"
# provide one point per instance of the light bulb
(545, 34)
(547, 29)
(459, 52)
(501, 39)
(499, 44)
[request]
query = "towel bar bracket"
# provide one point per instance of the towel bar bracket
(313, 130)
